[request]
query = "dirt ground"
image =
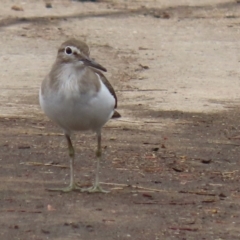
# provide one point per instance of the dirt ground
(171, 161)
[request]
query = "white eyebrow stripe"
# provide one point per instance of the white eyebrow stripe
(74, 49)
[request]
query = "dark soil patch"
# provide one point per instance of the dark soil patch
(193, 163)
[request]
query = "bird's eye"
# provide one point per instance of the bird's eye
(68, 50)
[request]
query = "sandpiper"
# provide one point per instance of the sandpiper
(77, 96)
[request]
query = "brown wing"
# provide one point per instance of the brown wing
(107, 84)
(111, 90)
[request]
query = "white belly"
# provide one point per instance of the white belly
(77, 112)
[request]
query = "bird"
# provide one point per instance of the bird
(77, 96)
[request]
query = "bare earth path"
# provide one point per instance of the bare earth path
(172, 160)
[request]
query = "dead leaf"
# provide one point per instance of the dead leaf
(178, 169)
(48, 5)
(143, 66)
(50, 208)
(206, 161)
(147, 195)
(17, 8)
(24, 146)
(143, 48)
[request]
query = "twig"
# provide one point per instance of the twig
(184, 229)
(129, 121)
(133, 186)
(231, 144)
(148, 189)
(43, 164)
(141, 90)
(155, 202)
(152, 122)
(199, 193)
(115, 184)
(228, 173)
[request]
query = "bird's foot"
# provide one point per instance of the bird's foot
(70, 188)
(95, 189)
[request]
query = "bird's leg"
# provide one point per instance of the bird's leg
(96, 187)
(72, 186)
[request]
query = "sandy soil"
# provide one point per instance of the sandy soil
(171, 160)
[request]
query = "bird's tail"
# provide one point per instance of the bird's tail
(116, 114)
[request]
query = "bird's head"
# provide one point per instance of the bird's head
(77, 53)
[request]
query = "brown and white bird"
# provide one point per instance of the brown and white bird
(78, 97)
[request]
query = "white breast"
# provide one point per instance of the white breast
(68, 79)
(74, 111)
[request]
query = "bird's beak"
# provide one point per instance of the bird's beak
(89, 62)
